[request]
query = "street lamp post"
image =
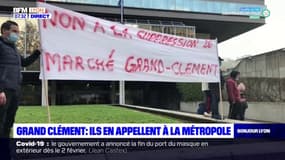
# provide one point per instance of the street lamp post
(122, 83)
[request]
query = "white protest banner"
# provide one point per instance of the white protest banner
(80, 47)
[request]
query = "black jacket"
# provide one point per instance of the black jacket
(10, 65)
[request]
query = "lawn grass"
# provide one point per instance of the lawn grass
(88, 114)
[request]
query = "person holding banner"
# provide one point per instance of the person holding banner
(215, 95)
(10, 75)
(207, 99)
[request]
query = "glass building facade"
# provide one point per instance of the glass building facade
(200, 6)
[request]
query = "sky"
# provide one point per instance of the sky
(268, 37)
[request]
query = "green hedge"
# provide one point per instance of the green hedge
(190, 92)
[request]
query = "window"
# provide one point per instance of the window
(169, 30)
(181, 31)
(180, 5)
(157, 28)
(190, 32)
(148, 27)
(133, 3)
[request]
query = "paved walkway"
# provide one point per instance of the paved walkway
(186, 116)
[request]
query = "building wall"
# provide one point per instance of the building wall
(269, 65)
(264, 76)
(265, 89)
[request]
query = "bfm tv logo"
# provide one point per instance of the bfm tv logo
(31, 13)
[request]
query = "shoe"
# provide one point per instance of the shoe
(206, 114)
(217, 116)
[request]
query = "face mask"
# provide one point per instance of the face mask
(13, 37)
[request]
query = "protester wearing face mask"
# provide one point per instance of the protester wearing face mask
(234, 97)
(10, 75)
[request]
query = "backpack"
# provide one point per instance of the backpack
(201, 108)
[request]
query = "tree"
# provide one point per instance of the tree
(30, 41)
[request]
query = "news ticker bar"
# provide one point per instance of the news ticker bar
(93, 148)
(200, 131)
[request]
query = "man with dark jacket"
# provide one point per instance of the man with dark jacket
(10, 75)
